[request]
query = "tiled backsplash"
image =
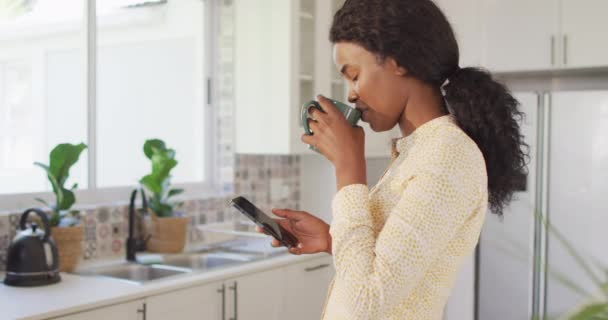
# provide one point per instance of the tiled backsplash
(268, 181)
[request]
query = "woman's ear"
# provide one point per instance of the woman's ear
(395, 67)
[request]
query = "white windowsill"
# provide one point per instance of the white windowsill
(86, 199)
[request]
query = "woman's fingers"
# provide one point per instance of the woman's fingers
(330, 109)
(260, 230)
(295, 251)
(315, 126)
(275, 243)
(318, 115)
(288, 214)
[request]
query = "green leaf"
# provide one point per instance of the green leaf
(42, 201)
(67, 201)
(151, 184)
(571, 251)
(151, 144)
(63, 157)
(158, 182)
(174, 192)
(593, 311)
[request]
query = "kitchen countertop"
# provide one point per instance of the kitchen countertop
(77, 293)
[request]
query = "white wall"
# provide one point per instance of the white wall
(318, 182)
(318, 186)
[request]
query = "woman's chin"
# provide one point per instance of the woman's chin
(378, 127)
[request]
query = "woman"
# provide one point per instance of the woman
(397, 248)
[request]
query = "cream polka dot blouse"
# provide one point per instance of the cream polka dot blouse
(397, 248)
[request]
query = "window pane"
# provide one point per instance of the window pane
(42, 90)
(150, 81)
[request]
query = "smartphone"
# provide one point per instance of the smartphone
(264, 221)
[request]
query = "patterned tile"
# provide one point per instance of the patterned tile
(13, 220)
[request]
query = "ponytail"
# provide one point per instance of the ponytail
(487, 112)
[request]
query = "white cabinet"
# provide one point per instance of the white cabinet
(520, 35)
(134, 310)
(306, 289)
(584, 39)
(201, 302)
(297, 290)
(465, 18)
(275, 45)
(256, 296)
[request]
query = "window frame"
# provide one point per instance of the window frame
(94, 196)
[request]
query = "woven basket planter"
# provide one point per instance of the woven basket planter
(69, 246)
(167, 234)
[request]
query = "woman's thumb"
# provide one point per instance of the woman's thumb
(286, 213)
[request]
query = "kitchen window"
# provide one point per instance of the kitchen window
(111, 74)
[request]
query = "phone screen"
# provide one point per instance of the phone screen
(264, 221)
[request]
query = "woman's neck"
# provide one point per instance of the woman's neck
(424, 104)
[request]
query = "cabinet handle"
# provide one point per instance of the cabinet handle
(565, 49)
(552, 50)
(321, 266)
(223, 292)
(236, 306)
(143, 311)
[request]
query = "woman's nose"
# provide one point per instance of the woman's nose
(352, 97)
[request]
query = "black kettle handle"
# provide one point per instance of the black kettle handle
(42, 215)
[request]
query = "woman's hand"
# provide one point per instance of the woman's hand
(339, 142)
(312, 233)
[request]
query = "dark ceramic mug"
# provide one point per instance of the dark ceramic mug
(352, 115)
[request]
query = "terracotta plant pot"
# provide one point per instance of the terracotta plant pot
(69, 246)
(167, 234)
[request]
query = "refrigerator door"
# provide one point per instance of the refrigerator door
(506, 245)
(577, 196)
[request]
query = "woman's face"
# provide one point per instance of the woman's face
(378, 89)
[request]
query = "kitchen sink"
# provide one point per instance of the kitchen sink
(135, 272)
(206, 261)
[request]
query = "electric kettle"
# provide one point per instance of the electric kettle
(32, 258)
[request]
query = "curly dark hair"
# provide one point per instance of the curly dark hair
(419, 37)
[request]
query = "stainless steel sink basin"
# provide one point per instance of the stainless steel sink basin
(206, 261)
(134, 272)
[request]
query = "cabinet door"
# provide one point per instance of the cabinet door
(306, 289)
(263, 76)
(255, 296)
(125, 311)
(584, 40)
(520, 35)
(202, 302)
(465, 18)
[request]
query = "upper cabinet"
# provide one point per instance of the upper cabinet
(520, 35)
(584, 39)
(465, 18)
(274, 52)
(523, 35)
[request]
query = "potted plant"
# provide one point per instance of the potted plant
(169, 226)
(66, 229)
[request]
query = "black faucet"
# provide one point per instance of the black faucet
(135, 244)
